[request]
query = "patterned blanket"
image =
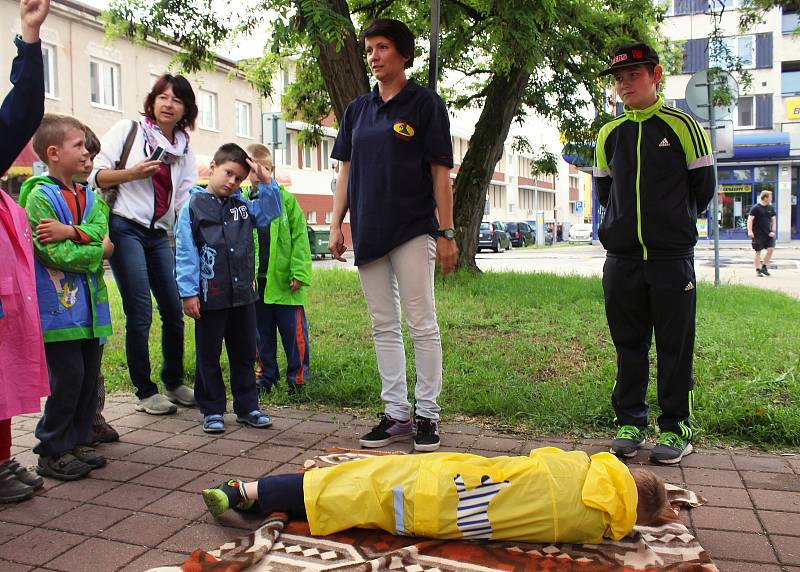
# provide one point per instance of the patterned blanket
(279, 545)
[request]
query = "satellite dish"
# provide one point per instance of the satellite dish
(697, 94)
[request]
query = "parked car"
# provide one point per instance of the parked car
(548, 235)
(493, 235)
(580, 233)
(521, 233)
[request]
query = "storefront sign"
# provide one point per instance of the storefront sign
(730, 189)
(702, 227)
(793, 108)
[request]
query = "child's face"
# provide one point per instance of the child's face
(225, 178)
(87, 166)
(71, 156)
(636, 86)
(268, 166)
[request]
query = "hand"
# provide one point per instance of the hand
(263, 174)
(49, 230)
(191, 307)
(772, 235)
(336, 244)
(144, 170)
(294, 285)
(31, 15)
(108, 247)
(446, 254)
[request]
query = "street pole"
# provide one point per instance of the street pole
(433, 65)
(715, 200)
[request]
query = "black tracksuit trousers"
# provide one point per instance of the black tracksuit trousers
(640, 297)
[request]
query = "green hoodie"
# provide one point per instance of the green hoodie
(289, 254)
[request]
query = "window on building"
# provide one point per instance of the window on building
(307, 154)
(243, 119)
(742, 47)
(328, 217)
(790, 21)
(326, 154)
(495, 196)
(311, 217)
(207, 104)
(287, 76)
(49, 60)
(790, 78)
(287, 153)
(745, 112)
(104, 83)
(682, 7)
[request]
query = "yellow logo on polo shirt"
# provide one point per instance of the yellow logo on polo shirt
(404, 129)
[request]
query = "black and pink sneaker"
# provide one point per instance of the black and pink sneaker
(387, 431)
(427, 436)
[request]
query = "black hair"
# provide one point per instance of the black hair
(396, 31)
(233, 153)
(182, 90)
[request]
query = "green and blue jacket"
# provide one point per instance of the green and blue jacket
(73, 300)
(654, 175)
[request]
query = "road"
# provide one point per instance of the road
(736, 263)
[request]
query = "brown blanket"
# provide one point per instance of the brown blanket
(279, 545)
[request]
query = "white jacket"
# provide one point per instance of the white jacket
(136, 199)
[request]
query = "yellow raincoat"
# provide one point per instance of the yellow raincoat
(550, 496)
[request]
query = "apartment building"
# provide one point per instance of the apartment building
(766, 120)
(101, 82)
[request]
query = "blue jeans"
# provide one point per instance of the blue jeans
(144, 261)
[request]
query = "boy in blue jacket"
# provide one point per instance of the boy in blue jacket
(215, 267)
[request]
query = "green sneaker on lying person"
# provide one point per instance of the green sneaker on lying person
(226, 496)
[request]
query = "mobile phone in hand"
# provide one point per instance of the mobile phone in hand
(157, 153)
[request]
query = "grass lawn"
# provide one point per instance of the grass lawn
(532, 352)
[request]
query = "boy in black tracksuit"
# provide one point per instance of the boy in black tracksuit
(654, 175)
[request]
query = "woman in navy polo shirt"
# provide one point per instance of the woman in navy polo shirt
(396, 155)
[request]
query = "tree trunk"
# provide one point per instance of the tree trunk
(343, 69)
(503, 98)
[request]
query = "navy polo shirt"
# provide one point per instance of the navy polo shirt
(390, 146)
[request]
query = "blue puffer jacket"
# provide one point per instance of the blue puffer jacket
(214, 256)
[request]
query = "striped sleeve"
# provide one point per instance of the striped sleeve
(694, 139)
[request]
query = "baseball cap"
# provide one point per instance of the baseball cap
(631, 55)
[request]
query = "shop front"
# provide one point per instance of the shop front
(739, 189)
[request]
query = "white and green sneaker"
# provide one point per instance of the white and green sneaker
(628, 441)
(670, 448)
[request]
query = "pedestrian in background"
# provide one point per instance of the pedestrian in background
(761, 229)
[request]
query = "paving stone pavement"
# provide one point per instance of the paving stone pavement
(143, 509)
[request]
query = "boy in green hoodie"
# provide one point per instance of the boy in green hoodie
(283, 259)
(69, 223)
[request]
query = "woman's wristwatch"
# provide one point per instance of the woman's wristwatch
(448, 233)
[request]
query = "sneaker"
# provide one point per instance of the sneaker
(11, 488)
(759, 272)
(764, 270)
(628, 440)
(225, 496)
(670, 448)
(427, 436)
(23, 474)
(181, 395)
(156, 405)
(387, 431)
(104, 433)
(89, 456)
(64, 467)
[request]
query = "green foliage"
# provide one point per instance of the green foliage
(752, 12)
(306, 99)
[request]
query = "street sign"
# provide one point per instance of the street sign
(697, 94)
(578, 206)
(273, 130)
